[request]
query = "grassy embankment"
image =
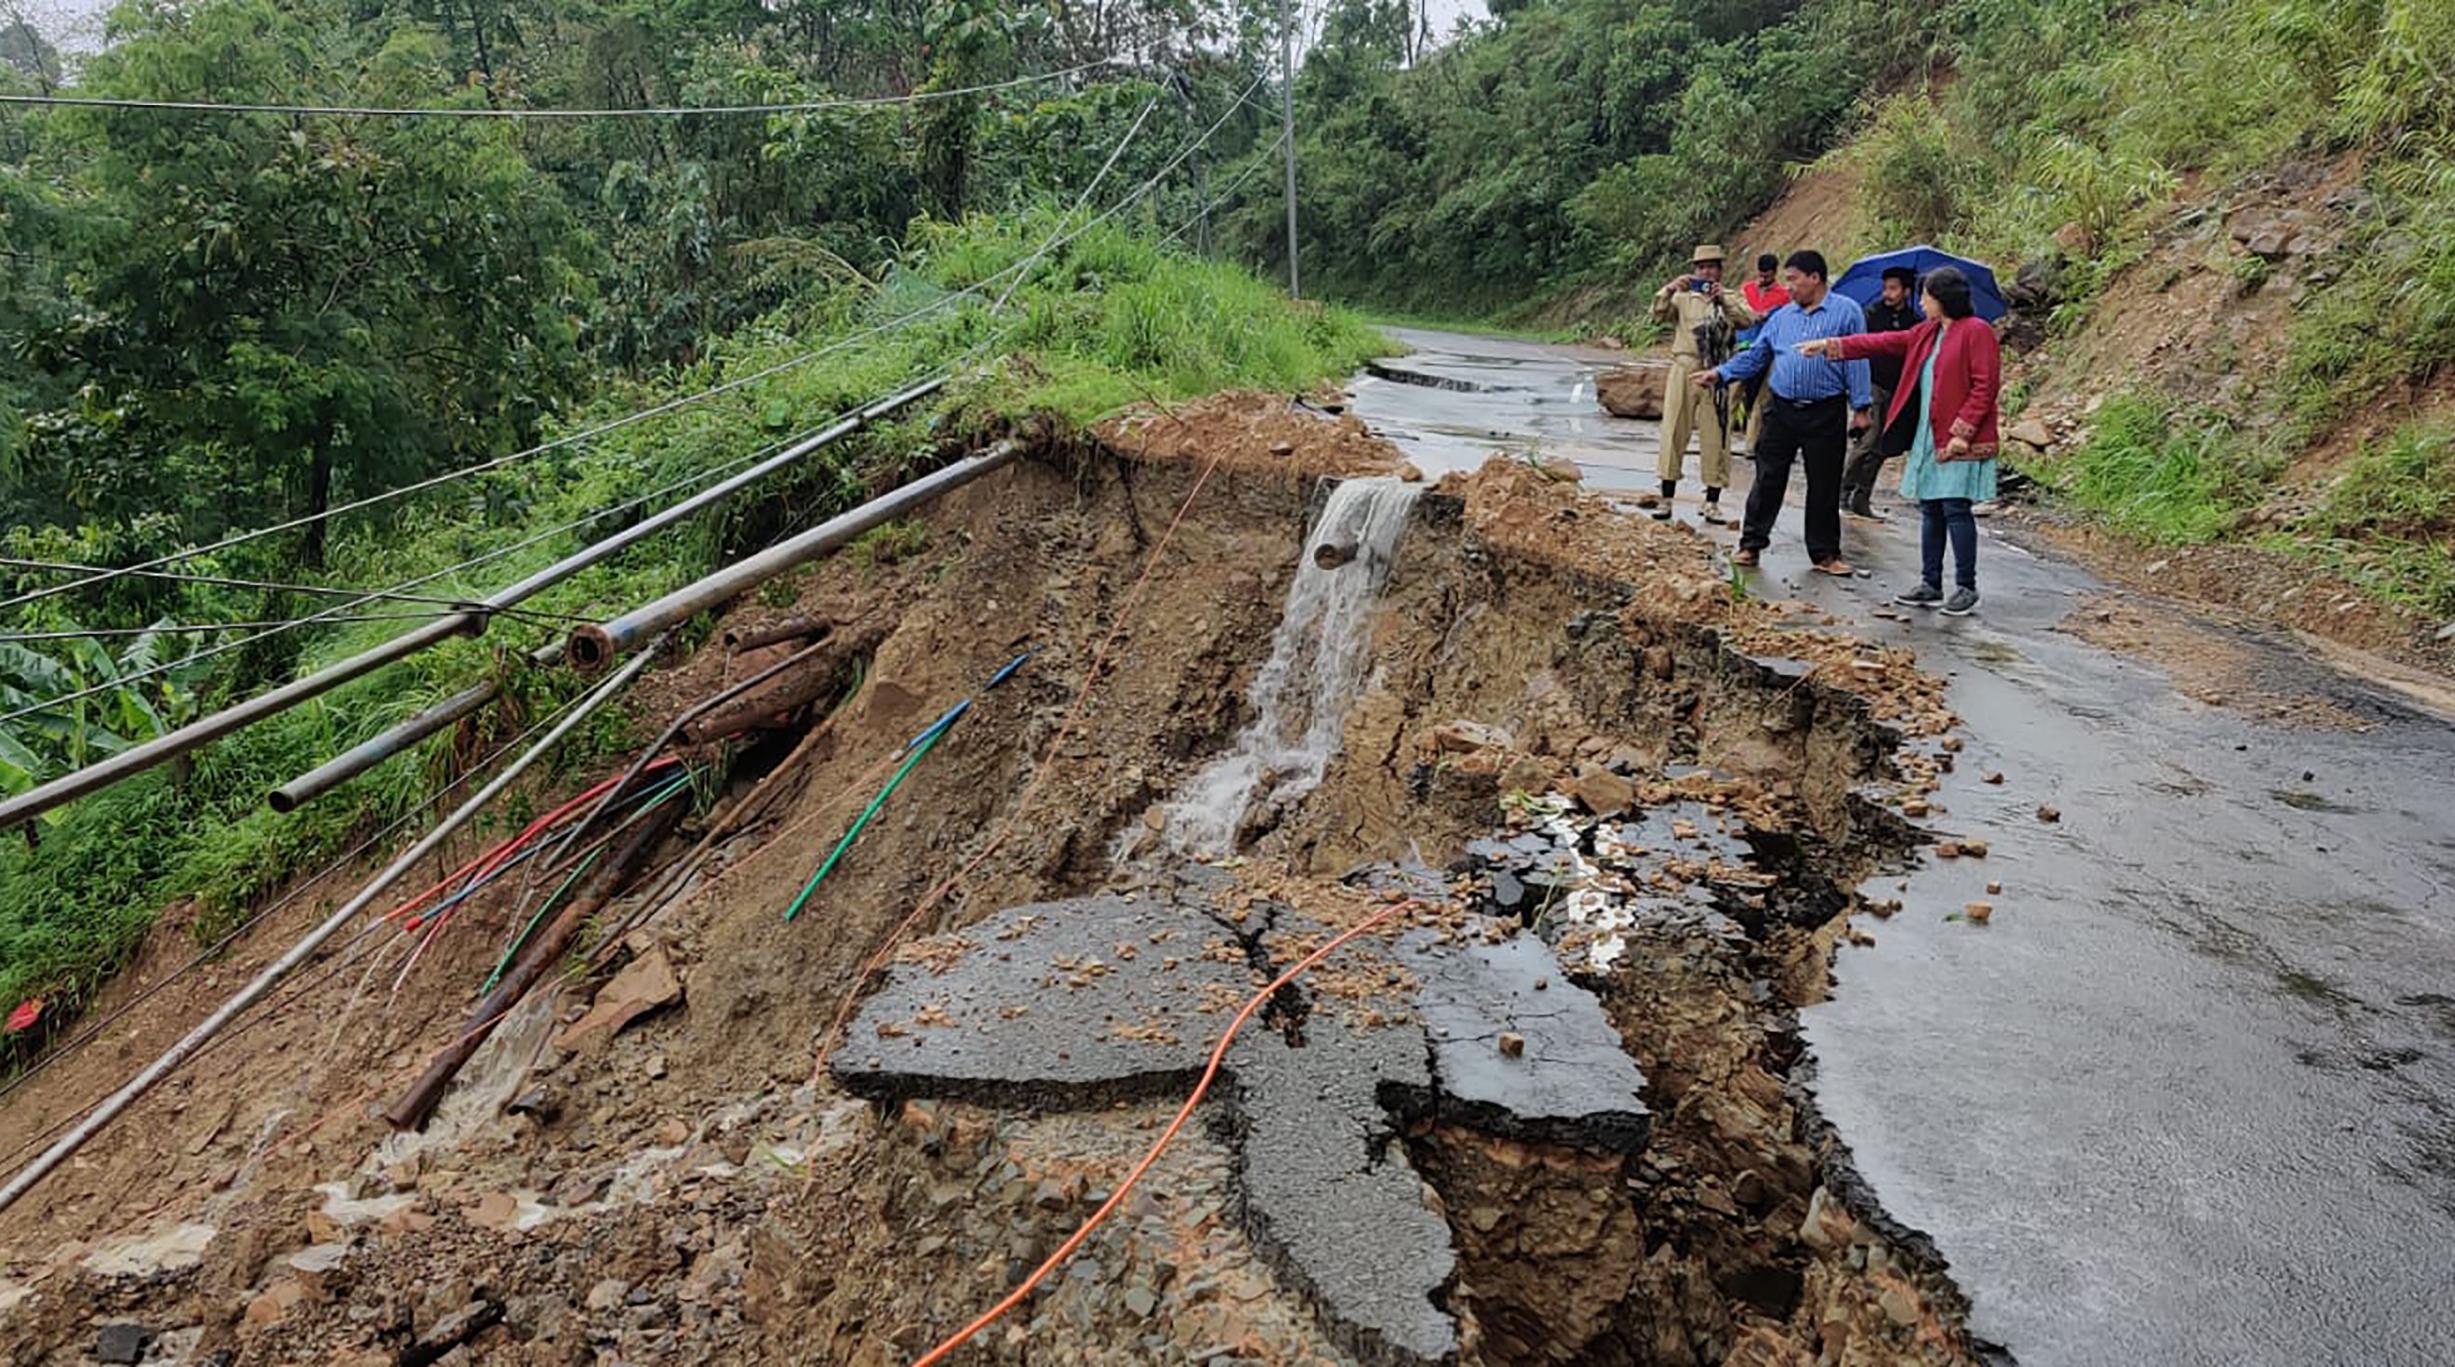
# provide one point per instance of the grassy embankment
(1106, 321)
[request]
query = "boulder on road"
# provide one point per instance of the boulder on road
(1632, 391)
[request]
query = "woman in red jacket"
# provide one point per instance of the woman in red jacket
(1946, 421)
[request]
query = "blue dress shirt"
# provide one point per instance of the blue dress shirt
(1798, 378)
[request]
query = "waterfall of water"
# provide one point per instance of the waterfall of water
(1300, 698)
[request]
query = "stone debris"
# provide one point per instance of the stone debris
(646, 984)
(1632, 391)
(122, 1342)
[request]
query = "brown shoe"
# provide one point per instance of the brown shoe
(1744, 558)
(1836, 567)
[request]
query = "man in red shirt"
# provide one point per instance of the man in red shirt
(1765, 292)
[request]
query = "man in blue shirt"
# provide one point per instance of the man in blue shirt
(1811, 407)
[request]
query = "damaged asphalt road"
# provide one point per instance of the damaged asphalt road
(2190, 1096)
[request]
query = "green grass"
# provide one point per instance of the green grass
(1103, 323)
(2166, 477)
(2388, 521)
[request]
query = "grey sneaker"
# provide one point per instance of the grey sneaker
(1662, 511)
(1923, 596)
(1713, 514)
(1962, 603)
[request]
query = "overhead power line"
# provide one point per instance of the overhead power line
(344, 111)
(272, 586)
(672, 405)
(208, 628)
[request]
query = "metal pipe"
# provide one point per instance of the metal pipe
(368, 753)
(264, 982)
(374, 750)
(594, 647)
(205, 730)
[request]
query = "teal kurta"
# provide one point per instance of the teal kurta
(1923, 476)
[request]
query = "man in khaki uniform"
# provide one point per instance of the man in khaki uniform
(1692, 301)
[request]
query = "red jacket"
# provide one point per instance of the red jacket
(1968, 376)
(1764, 298)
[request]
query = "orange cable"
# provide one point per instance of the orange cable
(1218, 1054)
(1099, 660)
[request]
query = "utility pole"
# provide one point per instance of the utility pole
(1287, 129)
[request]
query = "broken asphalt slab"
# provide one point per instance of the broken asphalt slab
(1075, 1005)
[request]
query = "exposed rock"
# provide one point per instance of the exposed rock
(1632, 391)
(1465, 737)
(122, 1342)
(275, 1301)
(2032, 432)
(644, 985)
(1603, 792)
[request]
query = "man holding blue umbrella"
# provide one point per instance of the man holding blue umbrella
(1892, 311)
(1864, 280)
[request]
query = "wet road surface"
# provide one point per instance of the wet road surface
(2190, 1098)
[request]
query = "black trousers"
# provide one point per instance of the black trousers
(1867, 450)
(1817, 434)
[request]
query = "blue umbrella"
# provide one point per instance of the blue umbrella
(1864, 280)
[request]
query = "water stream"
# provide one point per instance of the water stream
(1317, 656)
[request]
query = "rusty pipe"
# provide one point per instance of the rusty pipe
(790, 629)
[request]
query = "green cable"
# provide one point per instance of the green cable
(678, 782)
(869, 812)
(513, 949)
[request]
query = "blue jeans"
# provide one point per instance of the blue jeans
(1942, 518)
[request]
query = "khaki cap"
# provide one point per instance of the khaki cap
(1706, 251)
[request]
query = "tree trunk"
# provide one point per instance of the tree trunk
(485, 58)
(319, 496)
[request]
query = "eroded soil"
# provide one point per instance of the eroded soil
(694, 1187)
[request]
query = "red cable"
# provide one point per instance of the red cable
(494, 858)
(1218, 1053)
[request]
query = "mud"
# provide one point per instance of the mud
(688, 1192)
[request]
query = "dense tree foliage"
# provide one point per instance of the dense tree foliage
(1560, 144)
